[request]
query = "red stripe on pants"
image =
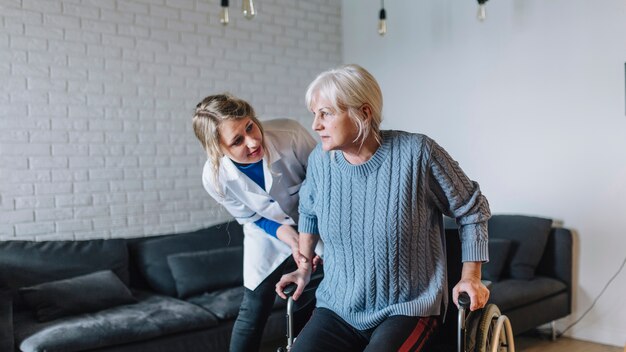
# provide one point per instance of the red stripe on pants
(419, 335)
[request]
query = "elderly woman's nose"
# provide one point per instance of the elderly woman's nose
(316, 123)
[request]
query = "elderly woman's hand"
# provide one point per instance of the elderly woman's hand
(300, 277)
(470, 283)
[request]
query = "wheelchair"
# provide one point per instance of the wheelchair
(483, 330)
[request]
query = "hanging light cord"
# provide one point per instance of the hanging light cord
(595, 300)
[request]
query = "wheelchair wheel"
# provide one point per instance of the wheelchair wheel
(493, 332)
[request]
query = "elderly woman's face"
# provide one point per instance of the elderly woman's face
(335, 128)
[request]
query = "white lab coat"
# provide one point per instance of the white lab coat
(289, 146)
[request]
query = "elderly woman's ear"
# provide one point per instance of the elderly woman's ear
(366, 110)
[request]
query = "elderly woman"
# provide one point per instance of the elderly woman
(376, 199)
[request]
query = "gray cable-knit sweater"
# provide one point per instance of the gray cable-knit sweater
(381, 224)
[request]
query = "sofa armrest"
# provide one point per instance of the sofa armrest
(557, 257)
(6, 321)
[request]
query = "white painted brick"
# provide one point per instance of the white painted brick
(150, 21)
(121, 18)
(66, 124)
(68, 73)
(157, 208)
(162, 11)
(109, 223)
(103, 76)
(13, 136)
(109, 198)
(106, 150)
(13, 162)
(98, 26)
(30, 202)
(82, 12)
(129, 232)
(42, 5)
(87, 63)
(132, 30)
(85, 162)
(80, 86)
(90, 235)
(143, 219)
(36, 228)
(60, 21)
(53, 214)
(73, 225)
(48, 136)
(151, 45)
(117, 40)
(132, 209)
(133, 7)
(142, 196)
(90, 187)
(70, 149)
(7, 232)
(43, 32)
(16, 216)
(69, 175)
(126, 185)
(125, 161)
(176, 217)
(52, 188)
(46, 84)
(180, 26)
(98, 50)
(47, 162)
(86, 137)
(103, 4)
(24, 149)
(73, 200)
(23, 16)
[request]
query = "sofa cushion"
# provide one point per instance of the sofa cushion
(511, 293)
(528, 237)
(204, 271)
(224, 304)
(153, 316)
(151, 254)
(28, 263)
(80, 294)
(498, 252)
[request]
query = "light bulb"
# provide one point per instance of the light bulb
(247, 7)
(224, 14)
(382, 22)
(482, 12)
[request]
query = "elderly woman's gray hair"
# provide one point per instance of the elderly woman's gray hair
(348, 88)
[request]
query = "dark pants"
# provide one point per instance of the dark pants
(327, 332)
(256, 308)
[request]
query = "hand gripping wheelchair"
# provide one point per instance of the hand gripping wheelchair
(483, 330)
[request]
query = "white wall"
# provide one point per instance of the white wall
(531, 103)
(96, 98)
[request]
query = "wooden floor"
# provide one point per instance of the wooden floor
(534, 342)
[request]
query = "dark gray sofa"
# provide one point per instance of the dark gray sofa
(530, 269)
(159, 318)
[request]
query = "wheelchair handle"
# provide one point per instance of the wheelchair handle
(464, 300)
(314, 281)
(290, 289)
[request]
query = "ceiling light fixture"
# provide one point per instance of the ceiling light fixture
(382, 19)
(482, 12)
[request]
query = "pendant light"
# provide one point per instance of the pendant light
(482, 12)
(224, 13)
(247, 7)
(382, 19)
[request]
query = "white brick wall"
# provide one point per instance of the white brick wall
(96, 98)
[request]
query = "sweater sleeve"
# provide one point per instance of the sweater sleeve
(459, 197)
(308, 193)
